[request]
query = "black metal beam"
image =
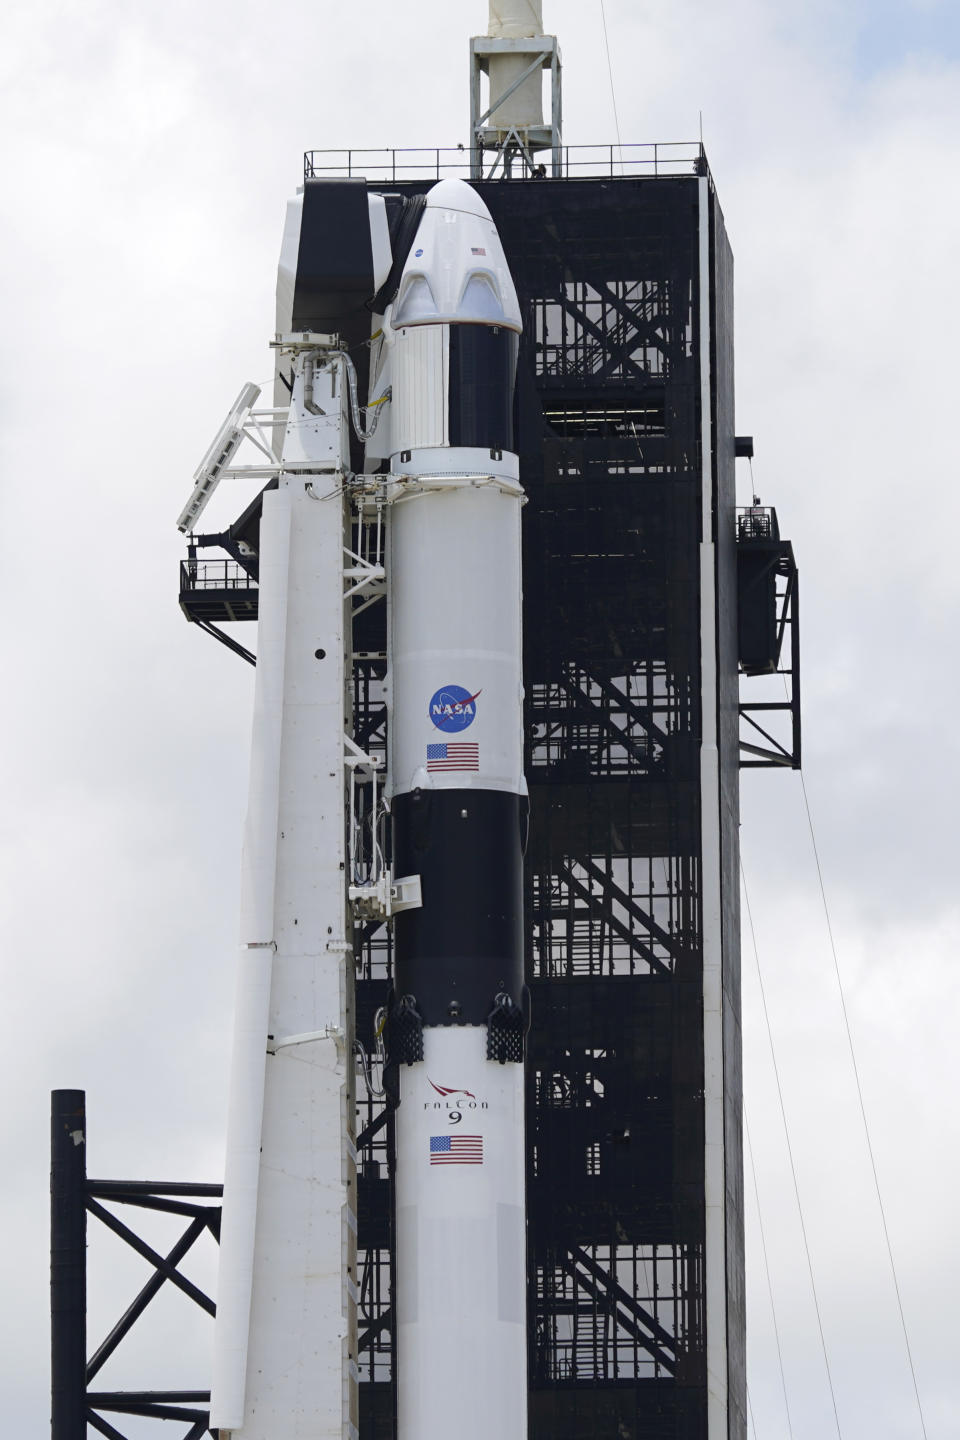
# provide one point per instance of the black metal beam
(210, 1214)
(170, 1272)
(68, 1264)
(224, 638)
(629, 904)
(601, 718)
(196, 1432)
(644, 717)
(120, 1189)
(90, 1417)
(136, 1309)
(105, 1400)
(604, 1278)
(601, 337)
(602, 1296)
(375, 1329)
(122, 1404)
(374, 1128)
(595, 901)
(795, 666)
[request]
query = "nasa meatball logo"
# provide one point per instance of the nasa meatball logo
(453, 709)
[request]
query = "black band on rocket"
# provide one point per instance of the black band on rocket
(464, 947)
(483, 368)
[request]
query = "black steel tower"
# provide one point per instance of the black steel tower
(637, 633)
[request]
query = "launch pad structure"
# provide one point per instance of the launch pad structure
(660, 624)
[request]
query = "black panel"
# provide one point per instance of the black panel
(335, 263)
(403, 219)
(757, 638)
(466, 847)
(483, 367)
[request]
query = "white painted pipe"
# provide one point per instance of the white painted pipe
(516, 20)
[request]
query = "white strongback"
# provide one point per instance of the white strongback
(284, 1362)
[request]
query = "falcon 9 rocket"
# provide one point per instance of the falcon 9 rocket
(459, 806)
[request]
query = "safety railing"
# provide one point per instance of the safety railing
(757, 522)
(214, 575)
(657, 158)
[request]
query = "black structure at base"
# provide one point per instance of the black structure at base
(68, 1264)
(73, 1196)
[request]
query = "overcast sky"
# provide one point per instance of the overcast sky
(148, 153)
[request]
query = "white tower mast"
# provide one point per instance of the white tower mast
(513, 55)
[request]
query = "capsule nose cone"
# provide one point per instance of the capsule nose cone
(456, 272)
(457, 195)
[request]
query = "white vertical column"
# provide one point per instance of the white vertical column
(715, 1260)
(285, 1361)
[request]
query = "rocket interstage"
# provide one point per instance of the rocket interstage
(459, 809)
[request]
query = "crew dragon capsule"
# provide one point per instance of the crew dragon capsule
(458, 798)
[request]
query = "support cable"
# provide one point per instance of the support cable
(766, 1266)
(753, 1423)
(613, 93)
(863, 1108)
(856, 1074)
(793, 1168)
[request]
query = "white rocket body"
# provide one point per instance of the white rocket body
(461, 1245)
(456, 775)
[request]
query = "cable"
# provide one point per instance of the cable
(766, 1266)
(793, 1168)
(372, 1090)
(613, 93)
(361, 432)
(863, 1109)
(856, 1073)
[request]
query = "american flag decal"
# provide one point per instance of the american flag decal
(454, 755)
(456, 1149)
